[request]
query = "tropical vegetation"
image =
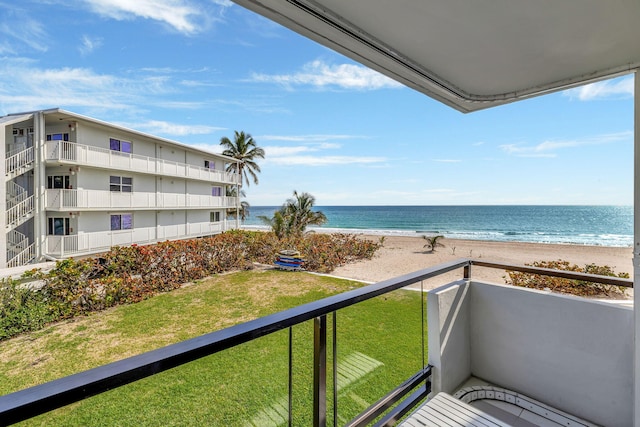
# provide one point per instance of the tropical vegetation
(244, 208)
(245, 149)
(569, 286)
(433, 242)
(134, 273)
(295, 215)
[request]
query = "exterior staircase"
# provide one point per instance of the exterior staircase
(18, 162)
(19, 251)
(19, 208)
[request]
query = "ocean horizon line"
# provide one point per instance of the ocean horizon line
(597, 225)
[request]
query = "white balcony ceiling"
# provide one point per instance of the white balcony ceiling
(473, 54)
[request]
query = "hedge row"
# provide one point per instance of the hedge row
(568, 286)
(133, 273)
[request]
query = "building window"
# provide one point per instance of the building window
(214, 216)
(122, 222)
(208, 164)
(58, 137)
(58, 181)
(58, 226)
(119, 145)
(121, 183)
(216, 191)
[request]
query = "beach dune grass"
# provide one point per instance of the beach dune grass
(380, 344)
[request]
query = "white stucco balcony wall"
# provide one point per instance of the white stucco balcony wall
(72, 153)
(86, 243)
(59, 199)
(572, 353)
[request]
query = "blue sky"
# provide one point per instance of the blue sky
(194, 71)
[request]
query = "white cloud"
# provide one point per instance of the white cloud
(322, 160)
(616, 88)
(308, 138)
(157, 127)
(286, 151)
(178, 14)
(308, 152)
(320, 74)
(89, 45)
(25, 30)
(548, 148)
(27, 87)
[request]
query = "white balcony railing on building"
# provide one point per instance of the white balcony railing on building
(24, 257)
(16, 241)
(79, 154)
(18, 160)
(20, 212)
(15, 193)
(59, 199)
(85, 243)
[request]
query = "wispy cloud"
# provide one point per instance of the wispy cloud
(548, 148)
(322, 160)
(25, 86)
(322, 75)
(18, 27)
(183, 16)
(157, 127)
(308, 138)
(312, 150)
(89, 44)
(616, 88)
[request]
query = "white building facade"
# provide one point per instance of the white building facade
(76, 186)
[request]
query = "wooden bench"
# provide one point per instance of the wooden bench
(444, 410)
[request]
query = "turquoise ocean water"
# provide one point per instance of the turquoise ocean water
(586, 225)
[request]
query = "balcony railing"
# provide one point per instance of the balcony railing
(20, 212)
(19, 162)
(26, 256)
(59, 199)
(79, 154)
(86, 243)
(36, 400)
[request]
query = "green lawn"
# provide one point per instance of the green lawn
(379, 345)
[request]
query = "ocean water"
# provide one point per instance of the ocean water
(585, 225)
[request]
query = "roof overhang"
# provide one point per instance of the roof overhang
(476, 54)
(15, 118)
(60, 114)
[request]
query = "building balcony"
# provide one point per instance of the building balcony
(568, 358)
(64, 200)
(89, 243)
(71, 153)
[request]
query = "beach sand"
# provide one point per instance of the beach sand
(402, 255)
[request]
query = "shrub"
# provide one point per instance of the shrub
(133, 273)
(22, 309)
(569, 286)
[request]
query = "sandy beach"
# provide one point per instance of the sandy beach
(402, 255)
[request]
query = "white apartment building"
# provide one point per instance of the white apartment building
(75, 186)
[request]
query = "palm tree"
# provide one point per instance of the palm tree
(432, 242)
(295, 216)
(298, 211)
(244, 205)
(243, 148)
(278, 223)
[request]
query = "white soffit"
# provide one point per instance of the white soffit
(473, 54)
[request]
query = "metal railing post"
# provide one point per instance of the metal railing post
(320, 371)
